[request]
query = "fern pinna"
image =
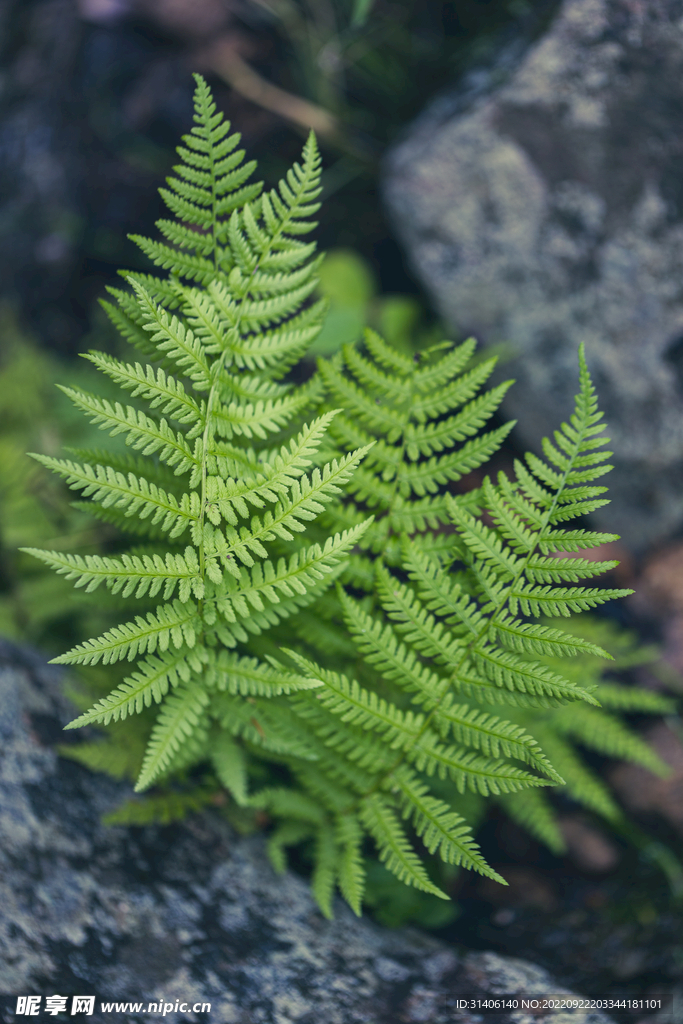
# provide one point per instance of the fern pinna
(458, 676)
(227, 477)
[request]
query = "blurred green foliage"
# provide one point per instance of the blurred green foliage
(350, 286)
(36, 606)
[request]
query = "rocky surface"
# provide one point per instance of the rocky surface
(549, 212)
(191, 913)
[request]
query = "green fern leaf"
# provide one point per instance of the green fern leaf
(142, 432)
(582, 784)
(229, 763)
(139, 497)
(130, 574)
(325, 870)
(181, 717)
(252, 678)
(163, 391)
(160, 810)
(351, 873)
(601, 731)
(149, 684)
(439, 827)
(395, 851)
(170, 624)
(291, 833)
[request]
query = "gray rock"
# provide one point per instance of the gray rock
(192, 913)
(549, 213)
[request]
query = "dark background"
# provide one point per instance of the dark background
(95, 94)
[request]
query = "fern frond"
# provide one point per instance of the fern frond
(229, 763)
(582, 784)
(252, 678)
(266, 725)
(507, 669)
(125, 316)
(423, 629)
(440, 828)
(454, 627)
(442, 400)
(125, 462)
(286, 586)
(181, 717)
(606, 734)
(273, 488)
(326, 858)
(434, 437)
(573, 540)
(395, 851)
(117, 518)
(442, 593)
(289, 803)
(430, 373)
(197, 268)
(118, 760)
(234, 312)
(160, 810)
(408, 732)
(290, 833)
(384, 651)
(389, 357)
(258, 419)
(307, 499)
(531, 638)
(350, 869)
(243, 476)
(492, 735)
(535, 600)
(422, 477)
(173, 339)
(633, 698)
(472, 727)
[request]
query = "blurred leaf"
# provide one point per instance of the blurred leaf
(348, 283)
(395, 905)
(35, 508)
(399, 316)
(346, 279)
(361, 10)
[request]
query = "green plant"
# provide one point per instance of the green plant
(234, 503)
(33, 504)
(463, 663)
(231, 341)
